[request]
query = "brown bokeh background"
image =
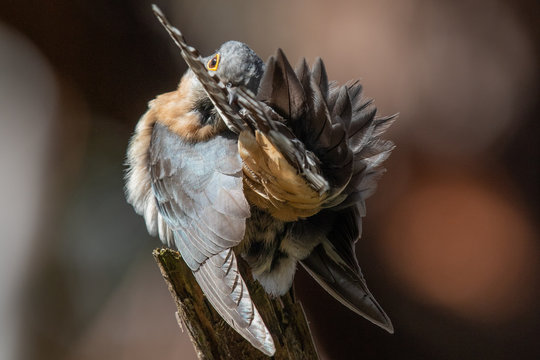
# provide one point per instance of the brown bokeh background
(451, 240)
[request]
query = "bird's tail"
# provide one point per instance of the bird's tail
(347, 286)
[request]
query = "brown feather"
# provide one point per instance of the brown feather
(176, 111)
(272, 183)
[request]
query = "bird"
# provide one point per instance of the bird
(261, 161)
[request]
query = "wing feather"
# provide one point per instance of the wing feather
(207, 205)
(226, 290)
(216, 91)
(199, 194)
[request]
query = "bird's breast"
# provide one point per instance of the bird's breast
(184, 112)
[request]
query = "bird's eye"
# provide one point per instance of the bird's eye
(213, 63)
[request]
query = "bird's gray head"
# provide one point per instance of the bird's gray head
(236, 65)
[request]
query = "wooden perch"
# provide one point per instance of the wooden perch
(213, 338)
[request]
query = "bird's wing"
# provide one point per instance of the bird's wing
(215, 89)
(333, 264)
(198, 190)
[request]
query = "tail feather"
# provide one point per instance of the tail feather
(343, 107)
(320, 78)
(347, 286)
(281, 89)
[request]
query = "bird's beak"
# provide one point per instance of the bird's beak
(233, 97)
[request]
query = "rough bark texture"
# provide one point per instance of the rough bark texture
(213, 338)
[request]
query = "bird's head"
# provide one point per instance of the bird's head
(236, 64)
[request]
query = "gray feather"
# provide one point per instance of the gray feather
(333, 264)
(205, 207)
(225, 289)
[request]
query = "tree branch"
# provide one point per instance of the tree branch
(213, 338)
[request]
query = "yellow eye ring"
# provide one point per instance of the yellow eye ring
(213, 63)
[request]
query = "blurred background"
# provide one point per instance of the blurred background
(451, 240)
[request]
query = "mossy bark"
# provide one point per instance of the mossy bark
(213, 338)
